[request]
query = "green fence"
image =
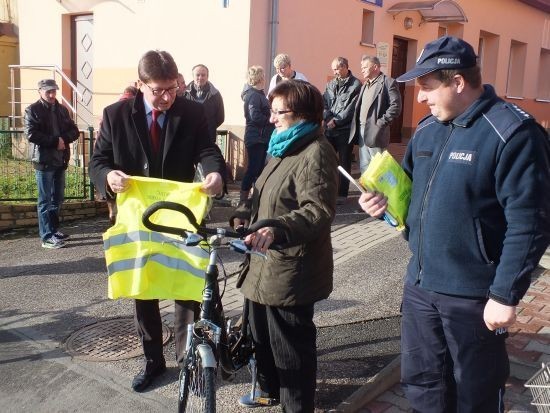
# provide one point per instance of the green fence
(17, 180)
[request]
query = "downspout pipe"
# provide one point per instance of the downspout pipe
(274, 26)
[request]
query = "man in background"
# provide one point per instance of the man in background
(201, 90)
(181, 85)
(378, 105)
(339, 99)
(284, 70)
(50, 130)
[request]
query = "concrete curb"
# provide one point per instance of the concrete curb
(385, 379)
(390, 375)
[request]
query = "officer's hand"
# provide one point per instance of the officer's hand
(373, 204)
(118, 181)
(498, 315)
(213, 184)
(331, 124)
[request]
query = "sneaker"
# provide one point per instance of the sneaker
(260, 399)
(61, 235)
(53, 243)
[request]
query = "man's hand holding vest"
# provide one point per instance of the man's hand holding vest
(117, 181)
(213, 184)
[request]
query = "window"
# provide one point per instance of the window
(367, 35)
(544, 80)
(487, 52)
(516, 69)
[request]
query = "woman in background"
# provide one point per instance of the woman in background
(298, 187)
(258, 128)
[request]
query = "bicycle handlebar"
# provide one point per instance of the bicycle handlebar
(182, 232)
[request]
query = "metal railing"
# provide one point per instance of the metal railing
(17, 177)
(17, 116)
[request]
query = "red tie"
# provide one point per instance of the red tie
(155, 131)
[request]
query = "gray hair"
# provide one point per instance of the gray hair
(281, 59)
(372, 59)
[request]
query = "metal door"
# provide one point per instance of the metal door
(82, 68)
(398, 67)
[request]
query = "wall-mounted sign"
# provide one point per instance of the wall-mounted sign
(382, 52)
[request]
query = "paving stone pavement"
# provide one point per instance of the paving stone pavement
(528, 346)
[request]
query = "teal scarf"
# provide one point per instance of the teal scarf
(280, 142)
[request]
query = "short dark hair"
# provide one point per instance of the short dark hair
(301, 97)
(157, 65)
(472, 76)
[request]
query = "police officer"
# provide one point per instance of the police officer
(478, 223)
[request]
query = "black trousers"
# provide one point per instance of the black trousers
(149, 328)
(286, 354)
(450, 361)
(344, 150)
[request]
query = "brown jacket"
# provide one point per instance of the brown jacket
(299, 189)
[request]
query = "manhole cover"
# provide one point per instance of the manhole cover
(109, 340)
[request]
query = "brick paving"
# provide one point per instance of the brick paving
(528, 346)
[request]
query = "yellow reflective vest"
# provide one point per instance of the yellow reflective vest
(144, 264)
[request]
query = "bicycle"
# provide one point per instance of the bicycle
(212, 341)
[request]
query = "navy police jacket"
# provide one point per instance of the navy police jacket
(479, 218)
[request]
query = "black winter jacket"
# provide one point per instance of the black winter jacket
(340, 104)
(257, 114)
(213, 107)
(39, 131)
(479, 216)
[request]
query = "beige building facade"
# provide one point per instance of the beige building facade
(9, 54)
(96, 44)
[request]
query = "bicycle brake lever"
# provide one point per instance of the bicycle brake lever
(192, 239)
(239, 246)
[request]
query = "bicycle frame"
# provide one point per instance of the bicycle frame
(212, 317)
(209, 343)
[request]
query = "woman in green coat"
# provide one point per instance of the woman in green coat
(298, 187)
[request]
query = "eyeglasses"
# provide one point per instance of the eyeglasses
(159, 92)
(279, 112)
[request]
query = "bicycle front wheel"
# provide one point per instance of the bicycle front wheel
(197, 391)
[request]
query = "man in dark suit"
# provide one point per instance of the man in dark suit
(161, 135)
(379, 103)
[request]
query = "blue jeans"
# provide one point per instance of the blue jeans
(366, 154)
(51, 188)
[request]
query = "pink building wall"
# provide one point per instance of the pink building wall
(312, 32)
